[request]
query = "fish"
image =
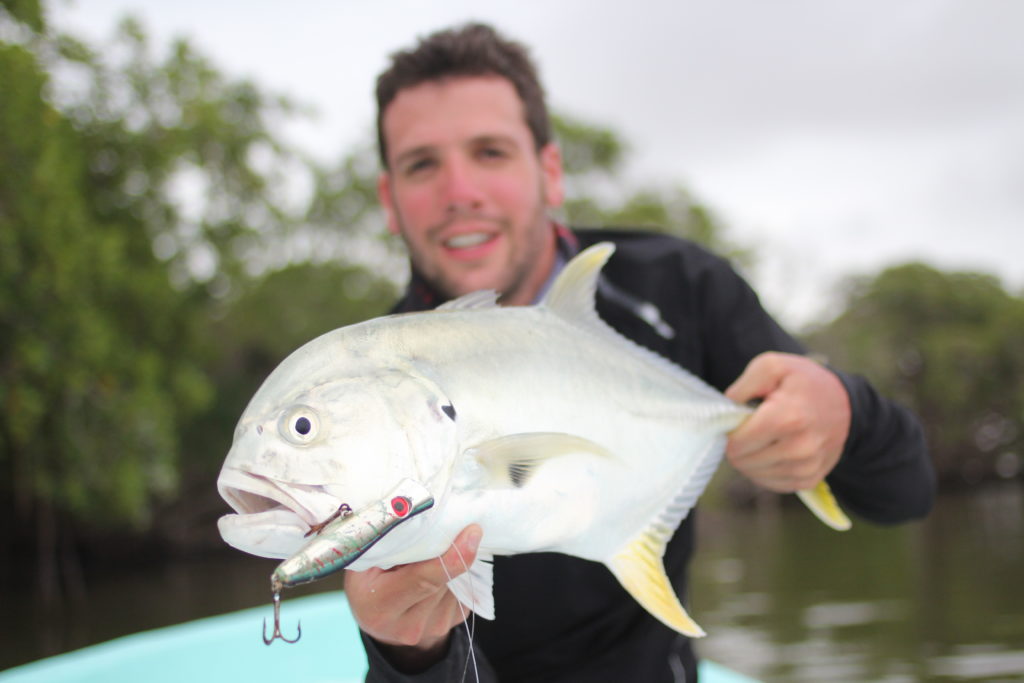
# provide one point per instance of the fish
(540, 423)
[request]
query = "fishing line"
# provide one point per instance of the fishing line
(471, 617)
(471, 655)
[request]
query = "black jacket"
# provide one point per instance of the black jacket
(560, 618)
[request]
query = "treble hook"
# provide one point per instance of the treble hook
(277, 621)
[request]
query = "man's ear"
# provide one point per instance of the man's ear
(551, 168)
(386, 201)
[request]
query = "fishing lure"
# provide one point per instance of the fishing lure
(341, 540)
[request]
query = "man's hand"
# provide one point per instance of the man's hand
(796, 435)
(408, 609)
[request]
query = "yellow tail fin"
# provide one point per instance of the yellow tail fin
(824, 506)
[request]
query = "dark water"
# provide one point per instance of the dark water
(782, 597)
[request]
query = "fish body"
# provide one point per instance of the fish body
(541, 424)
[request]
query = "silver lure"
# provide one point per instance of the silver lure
(343, 540)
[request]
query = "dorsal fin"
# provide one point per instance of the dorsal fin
(572, 293)
(571, 298)
(483, 298)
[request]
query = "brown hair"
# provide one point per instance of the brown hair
(470, 50)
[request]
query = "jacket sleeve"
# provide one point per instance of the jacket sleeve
(463, 661)
(885, 473)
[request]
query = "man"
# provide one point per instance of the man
(470, 172)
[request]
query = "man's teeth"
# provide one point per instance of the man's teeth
(471, 239)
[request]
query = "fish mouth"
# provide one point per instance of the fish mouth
(254, 494)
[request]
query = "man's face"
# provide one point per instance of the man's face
(467, 189)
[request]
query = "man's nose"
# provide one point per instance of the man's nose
(461, 188)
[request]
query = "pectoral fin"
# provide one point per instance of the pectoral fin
(640, 570)
(513, 458)
(824, 506)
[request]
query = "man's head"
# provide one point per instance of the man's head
(471, 50)
(470, 170)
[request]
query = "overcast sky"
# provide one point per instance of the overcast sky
(835, 136)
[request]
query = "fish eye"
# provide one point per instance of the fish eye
(299, 425)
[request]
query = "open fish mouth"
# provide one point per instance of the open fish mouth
(253, 494)
(272, 518)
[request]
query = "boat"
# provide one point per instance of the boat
(230, 647)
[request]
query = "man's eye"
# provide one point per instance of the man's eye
(492, 153)
(418, 166)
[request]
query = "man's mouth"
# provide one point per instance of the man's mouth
(468, 240)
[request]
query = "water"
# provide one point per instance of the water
(782, 597)
(786, 599)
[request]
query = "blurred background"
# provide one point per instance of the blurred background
(187, 194)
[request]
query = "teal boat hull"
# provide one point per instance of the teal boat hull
(230, 647)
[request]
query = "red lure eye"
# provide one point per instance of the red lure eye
(400, 505)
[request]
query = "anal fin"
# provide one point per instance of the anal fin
(475, 587)
(640, 570)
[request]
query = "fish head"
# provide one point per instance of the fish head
(299, 456)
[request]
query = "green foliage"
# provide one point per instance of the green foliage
(947, 345)
(28, 13)
(135, 194)
(93, 380)
(290, 306)
(587, 148)
(345, 221)
(182, 151)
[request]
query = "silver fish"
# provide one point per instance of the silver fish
(540, 423)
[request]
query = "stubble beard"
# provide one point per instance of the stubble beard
(515, 275)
